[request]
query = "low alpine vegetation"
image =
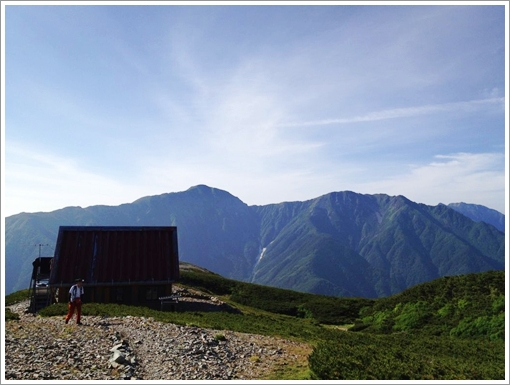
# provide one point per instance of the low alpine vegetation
(449, 329)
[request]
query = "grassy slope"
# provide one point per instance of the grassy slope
(403, 336)
(469, 306)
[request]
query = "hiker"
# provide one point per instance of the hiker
(75, 295)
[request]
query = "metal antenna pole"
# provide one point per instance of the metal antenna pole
(41, 245)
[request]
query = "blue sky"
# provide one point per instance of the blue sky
(105, 104)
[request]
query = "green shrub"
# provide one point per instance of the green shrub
(16, 297)
(10, 315)
(492, 327)
(466, 306)
(304, 312)
(498, 304)
(462, 303)
(361, 356)
(445, 311)
(412, 316)
(380, 322)
(56, 309)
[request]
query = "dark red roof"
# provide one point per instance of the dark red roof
(115, 255)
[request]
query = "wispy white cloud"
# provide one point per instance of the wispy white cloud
(461, 177)
(37, 181)
(234, 114)
(468, 106)
(249, 100)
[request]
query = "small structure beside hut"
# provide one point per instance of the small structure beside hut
(125, 265)
(40, 293)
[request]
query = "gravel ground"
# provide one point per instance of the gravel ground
(135, 348)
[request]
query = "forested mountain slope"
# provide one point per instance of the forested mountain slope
(341, 244)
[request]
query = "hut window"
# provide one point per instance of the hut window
(152, 293)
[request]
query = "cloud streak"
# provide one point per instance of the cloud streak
(461, 177)
(468, 106)
(269, 103)
(46, 182)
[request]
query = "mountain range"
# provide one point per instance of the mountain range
(339, 244)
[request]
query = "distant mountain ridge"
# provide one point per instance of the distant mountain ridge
(480, 214)
(341, 243)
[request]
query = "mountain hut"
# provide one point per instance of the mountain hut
(125, 265)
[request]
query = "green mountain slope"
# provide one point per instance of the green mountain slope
(361, 245)
(467, 306)
(480, 214)
(342, 243)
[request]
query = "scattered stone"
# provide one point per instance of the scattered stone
(46, 348)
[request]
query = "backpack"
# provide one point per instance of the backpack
(74, 290)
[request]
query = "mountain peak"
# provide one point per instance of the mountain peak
(203, 189)
(200, 187)
(343, 243)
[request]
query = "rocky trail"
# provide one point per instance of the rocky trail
(137, 348)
